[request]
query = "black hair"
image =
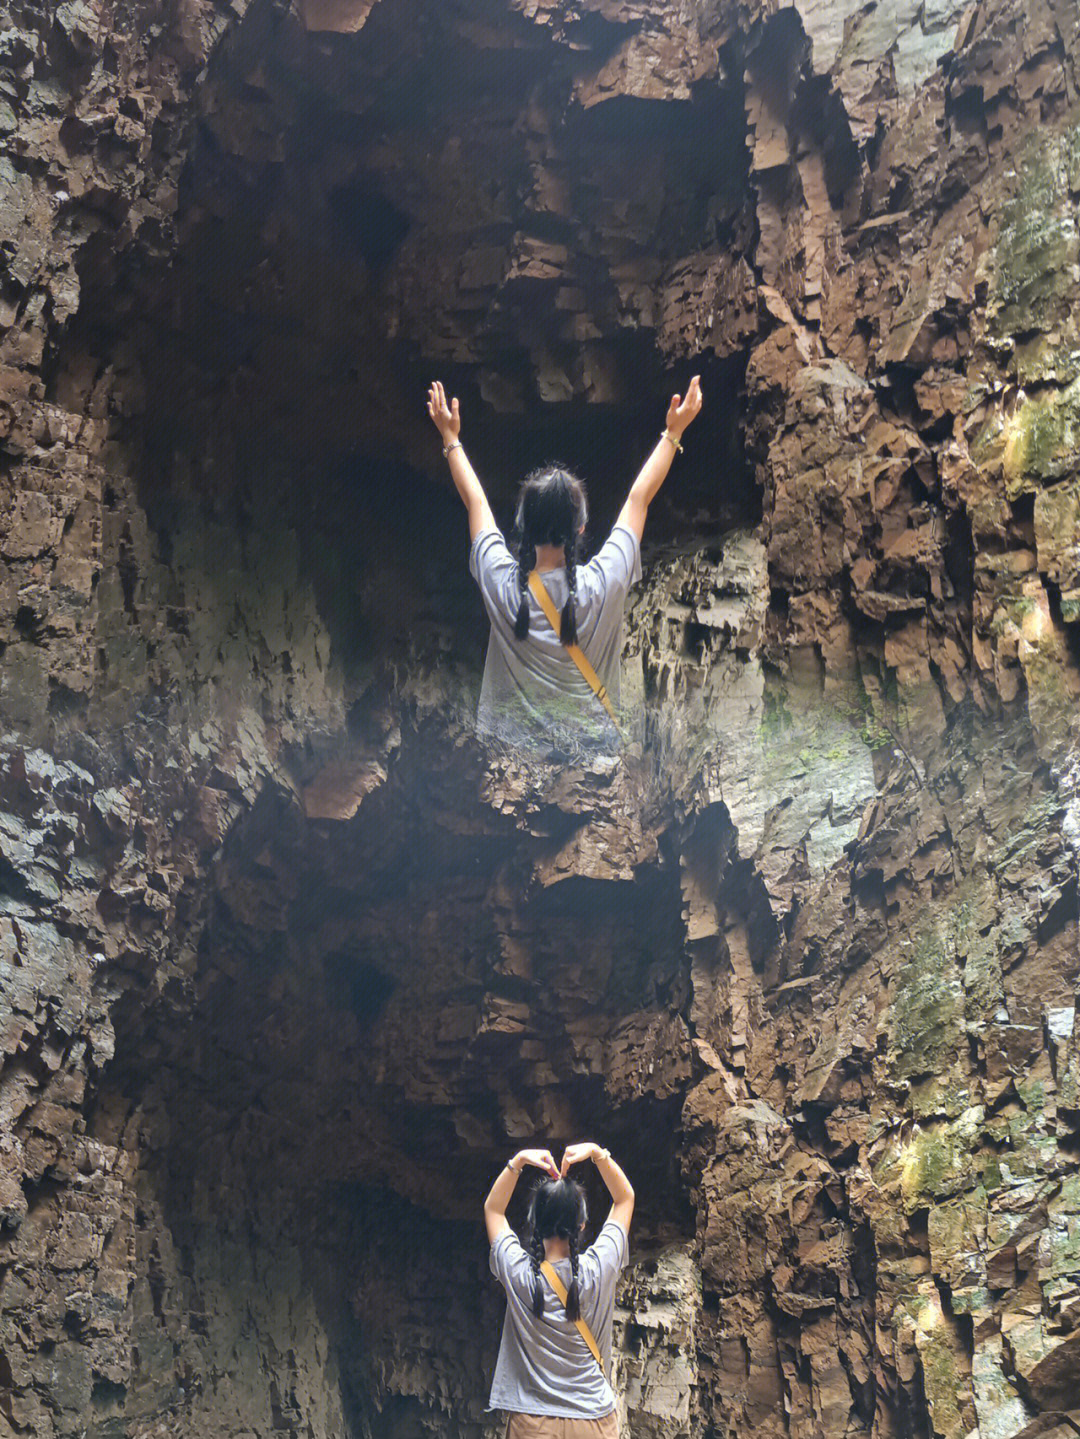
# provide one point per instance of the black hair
(557, 1210)
(552, 510)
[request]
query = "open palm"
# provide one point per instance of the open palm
(445, 417)
(682, 412)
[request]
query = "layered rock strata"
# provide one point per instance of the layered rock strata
(287, 961)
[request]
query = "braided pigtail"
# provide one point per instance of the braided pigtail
(556, 1210)
(552, 510)
(568, 626)
(536, 1254)
(526, 563)
(573, 1306)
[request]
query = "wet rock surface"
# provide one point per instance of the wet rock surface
(287, 961)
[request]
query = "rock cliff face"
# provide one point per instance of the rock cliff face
(288, 962)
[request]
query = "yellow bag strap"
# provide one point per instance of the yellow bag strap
(548, 1271)
(576, 653)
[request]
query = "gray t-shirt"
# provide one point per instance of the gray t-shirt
(544, 1365)
(532, 691)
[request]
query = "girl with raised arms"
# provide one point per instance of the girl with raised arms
(534, 690)
(552, 1375)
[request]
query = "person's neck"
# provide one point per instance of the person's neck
(550, 557)
(556, 1249)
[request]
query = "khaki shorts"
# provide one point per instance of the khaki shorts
(547, 1426)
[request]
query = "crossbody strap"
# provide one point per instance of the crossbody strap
(576, 653)
(548, 1271)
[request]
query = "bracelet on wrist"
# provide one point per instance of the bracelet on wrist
(511, 1168)
(667, 435)
(601, 1154)
(453, 445)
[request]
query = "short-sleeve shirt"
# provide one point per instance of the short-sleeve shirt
(532, 691)
(544, 1365)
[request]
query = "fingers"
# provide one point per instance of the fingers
(542, 1159)
(574, 1154)
(444, 414)
(692, 404)
(440, 409)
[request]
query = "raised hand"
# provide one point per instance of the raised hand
(680, 415)
(540, 1159)
(574, 1154)
(446, 418)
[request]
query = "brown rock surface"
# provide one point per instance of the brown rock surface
(287, 962)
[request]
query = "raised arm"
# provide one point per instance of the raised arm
(654, 471)
(501, 1191)
(447, 420)
(618, 1186)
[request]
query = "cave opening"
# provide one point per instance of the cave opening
(329, 263)
(376, 1016)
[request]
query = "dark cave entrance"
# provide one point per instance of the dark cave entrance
(327, 267)
(381, 1011)
(381, 1006)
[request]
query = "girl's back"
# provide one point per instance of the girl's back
(532, 688)
(544, 1365)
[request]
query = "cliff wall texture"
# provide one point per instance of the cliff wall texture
(288, 961)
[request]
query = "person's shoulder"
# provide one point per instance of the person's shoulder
(618, 560)
(613, 1242)
(490, 555)
(508, 1252)
(489, 538)
(616, 1228)
(625, 541)
(507, 1236)
(511, 1265)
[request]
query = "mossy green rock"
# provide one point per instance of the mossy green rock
(1032, 264)
(957, 1234)
(977, 948)
(1042, 440)
(935, 1162)
(1059, 1254)
(925, 1018)
(1002, 1413)
(1057, 539)
(941, 1358)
